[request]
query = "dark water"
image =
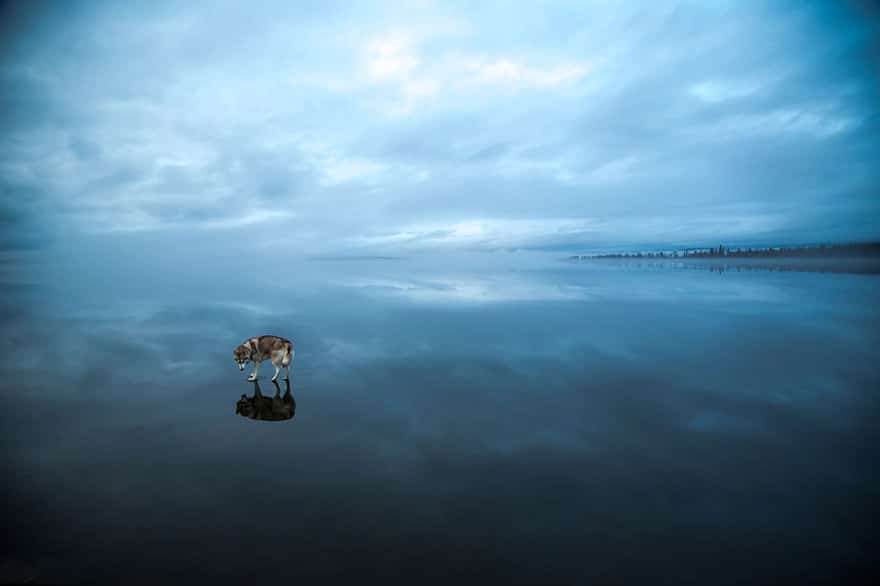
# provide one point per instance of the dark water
(523, 421)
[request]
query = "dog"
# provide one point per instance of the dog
(279, 350)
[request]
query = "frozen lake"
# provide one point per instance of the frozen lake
(522, 419)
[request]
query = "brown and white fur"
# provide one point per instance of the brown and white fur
(279, 350)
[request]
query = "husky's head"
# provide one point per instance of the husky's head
(242, 355)
(245, 406)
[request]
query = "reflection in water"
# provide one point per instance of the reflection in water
(276, 408)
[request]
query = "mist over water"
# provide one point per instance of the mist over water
(505, 416)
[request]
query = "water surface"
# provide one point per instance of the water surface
(523, 419)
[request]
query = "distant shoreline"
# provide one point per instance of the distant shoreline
(860, 259)
(821, 251)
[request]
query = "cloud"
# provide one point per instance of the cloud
(508, 71)
(389, 58)
(351, 124)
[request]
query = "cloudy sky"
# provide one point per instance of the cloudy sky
(405, 126)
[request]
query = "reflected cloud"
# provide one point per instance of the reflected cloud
(473, 290)
(586, 282)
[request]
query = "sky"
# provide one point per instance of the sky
(405, 127)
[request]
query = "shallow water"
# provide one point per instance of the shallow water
(521, 419)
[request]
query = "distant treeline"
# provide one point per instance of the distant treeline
(863, 249)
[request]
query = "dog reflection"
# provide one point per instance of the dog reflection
(277, 408)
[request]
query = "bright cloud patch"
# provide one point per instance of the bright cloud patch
(507, 71)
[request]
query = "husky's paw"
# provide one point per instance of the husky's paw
(251, 378)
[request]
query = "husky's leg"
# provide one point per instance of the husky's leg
(277, 360)
(256, 371)
(287, 366)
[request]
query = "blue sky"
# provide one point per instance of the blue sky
(403, 127)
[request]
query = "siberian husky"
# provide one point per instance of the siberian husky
(279, 350)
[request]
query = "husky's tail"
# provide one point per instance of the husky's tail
(288, 354)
